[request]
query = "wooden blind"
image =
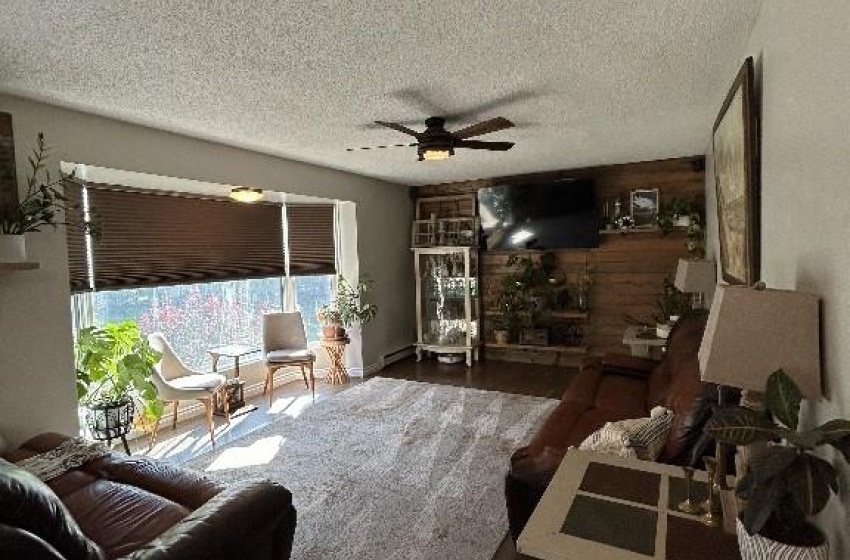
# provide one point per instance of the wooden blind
(310, 241)
(77, 262)
(154, 239)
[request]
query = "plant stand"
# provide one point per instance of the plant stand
(111, 421)
(337, 373)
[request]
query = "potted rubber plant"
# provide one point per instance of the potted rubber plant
(43, 205)
(113, 365)
(786, 483)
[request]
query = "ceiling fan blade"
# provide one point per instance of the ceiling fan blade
(478, 145)
(379, 147)
(399, 127)
(485, 127)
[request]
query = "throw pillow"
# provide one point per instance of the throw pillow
(610, 439)
(641, 438)
(29, 504)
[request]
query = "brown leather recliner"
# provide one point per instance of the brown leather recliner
(138, 508)
(611, 388)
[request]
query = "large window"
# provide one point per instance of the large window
(153, 263)
(195, 317)
(311, 292)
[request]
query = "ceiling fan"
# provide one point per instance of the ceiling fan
(437, 143)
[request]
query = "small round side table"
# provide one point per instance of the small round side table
(337, 374)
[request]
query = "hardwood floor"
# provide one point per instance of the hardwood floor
(508, 377)
(191, 437)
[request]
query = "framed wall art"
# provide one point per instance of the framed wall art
(736, 175)
(643, 204)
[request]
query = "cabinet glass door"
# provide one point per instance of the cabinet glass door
(443, 294)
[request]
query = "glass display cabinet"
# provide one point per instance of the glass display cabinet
(448, 307)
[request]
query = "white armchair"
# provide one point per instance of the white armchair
(285, 344)
(175, 382)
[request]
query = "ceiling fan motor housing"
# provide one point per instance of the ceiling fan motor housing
(435, 138)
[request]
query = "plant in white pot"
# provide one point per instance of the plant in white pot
(43, 205)
(786, 483)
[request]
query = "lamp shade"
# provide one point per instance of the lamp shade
(753, 332)
(695, 276)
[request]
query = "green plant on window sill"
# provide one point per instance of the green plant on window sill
(43, 204)
(786, 483)
(114, 363)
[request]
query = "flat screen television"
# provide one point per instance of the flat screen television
(543, 216)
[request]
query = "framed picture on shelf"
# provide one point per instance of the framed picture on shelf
(643, 204)
(734, 142)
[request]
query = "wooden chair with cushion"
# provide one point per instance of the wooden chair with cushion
(175, 382)
(285, 345)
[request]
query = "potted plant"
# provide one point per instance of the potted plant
(43, 205)
(687, 214)
(513, 302)
(331, 322)
(786, 483)
(679, 213)
(113, 365)
(351, 305)
(673, 304)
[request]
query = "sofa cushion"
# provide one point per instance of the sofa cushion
(29, 504)
(626, 395)
(122, 518)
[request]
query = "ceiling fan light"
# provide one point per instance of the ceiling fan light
(246, 194)
(435, 154)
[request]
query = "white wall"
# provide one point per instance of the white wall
(35, 337)
(801, 50)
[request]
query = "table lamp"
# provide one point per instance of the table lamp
(752, 332)
(696, 276)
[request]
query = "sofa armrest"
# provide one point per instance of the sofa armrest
(19, 543)
(630, 366)
(256, 516)
(187, 487)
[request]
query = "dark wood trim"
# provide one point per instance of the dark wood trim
(8, 171)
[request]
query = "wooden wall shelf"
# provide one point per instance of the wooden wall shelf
(15, 266)
(629, 231)
(577, 315)
(535, 348)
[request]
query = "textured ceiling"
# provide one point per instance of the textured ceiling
(587, 82)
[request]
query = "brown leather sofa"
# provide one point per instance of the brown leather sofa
(611, 388)
(137, 508)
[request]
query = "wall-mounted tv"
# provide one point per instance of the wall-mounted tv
(558, 215)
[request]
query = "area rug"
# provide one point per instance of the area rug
(391, 469)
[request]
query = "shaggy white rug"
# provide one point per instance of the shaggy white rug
(391, 469)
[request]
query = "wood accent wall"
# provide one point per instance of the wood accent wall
(628, 270)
